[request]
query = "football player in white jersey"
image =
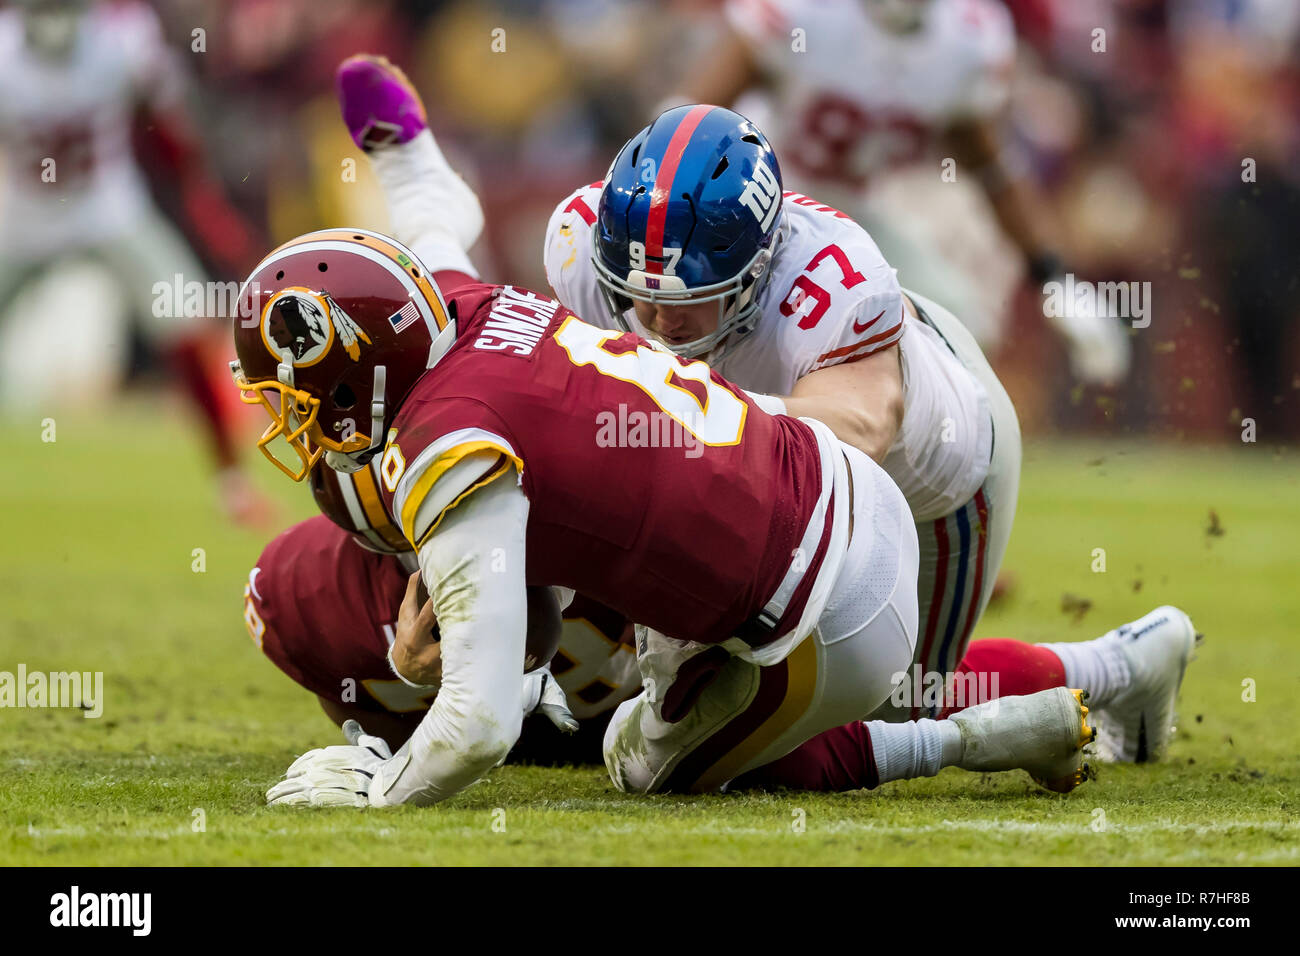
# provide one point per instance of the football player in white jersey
(691, 241)
(862, 87)
(72, 75)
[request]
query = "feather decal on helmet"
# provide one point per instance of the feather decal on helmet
(346, 329)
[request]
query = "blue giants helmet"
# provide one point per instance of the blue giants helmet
(689, 213)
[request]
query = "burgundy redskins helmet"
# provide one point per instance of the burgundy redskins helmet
(353, 503)
(333, 329)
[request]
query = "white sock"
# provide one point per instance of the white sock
(430, 207)
(1097, 666)
(918, 748)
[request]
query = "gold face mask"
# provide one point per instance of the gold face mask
(293, 417)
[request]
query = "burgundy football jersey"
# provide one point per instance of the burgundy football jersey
(324, 609)
(656, 487)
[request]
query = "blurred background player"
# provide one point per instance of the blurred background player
(1136, 152)
(76, 78)
(863, 99)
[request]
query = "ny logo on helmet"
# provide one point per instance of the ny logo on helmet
(301, 325)
(761, 195)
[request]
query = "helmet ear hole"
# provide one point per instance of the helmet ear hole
(343, 397)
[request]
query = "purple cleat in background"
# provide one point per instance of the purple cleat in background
(380, 105)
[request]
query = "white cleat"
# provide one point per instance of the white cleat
(1135, 727)
(1043, 734)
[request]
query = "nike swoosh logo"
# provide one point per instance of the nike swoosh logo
(861, 327)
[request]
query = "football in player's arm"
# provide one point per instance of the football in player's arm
(345, 620)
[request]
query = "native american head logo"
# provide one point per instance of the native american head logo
(301, 325)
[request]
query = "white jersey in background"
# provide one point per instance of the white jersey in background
(70, 179)
(831, 298)
(851, 99)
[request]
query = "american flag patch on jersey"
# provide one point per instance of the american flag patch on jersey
(404, 316)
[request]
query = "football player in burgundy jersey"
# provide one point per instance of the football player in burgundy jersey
(691, 239)
(772, 568)
(331, 632)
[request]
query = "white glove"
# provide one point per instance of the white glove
(333, 776)
(542, 693)
(1098, 343)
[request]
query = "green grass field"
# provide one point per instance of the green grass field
(97, 574)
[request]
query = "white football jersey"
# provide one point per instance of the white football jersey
(70, 177)
(831, 298)
(851, 99)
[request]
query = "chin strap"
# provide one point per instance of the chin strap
(378, 407)
(350, 463)
(441, 343)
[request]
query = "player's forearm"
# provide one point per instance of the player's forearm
(1016, 200)
(1020, 212)
(728, 71)
(473, 723)
(870, 428)
(860, 401)
(473, 566)
(871, 431)
(450, 750)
